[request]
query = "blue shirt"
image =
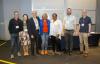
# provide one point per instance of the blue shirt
(84, 24)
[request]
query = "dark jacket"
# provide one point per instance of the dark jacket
(32, 26)
(15, 26)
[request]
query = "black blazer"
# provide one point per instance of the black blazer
(32, 26)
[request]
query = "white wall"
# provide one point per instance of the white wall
(9, 6)
(47, 4)
(77, 5)
(26, 7)
(23, 6)
(80, 4)
(2, 29)
(1, 11)
(59, 6)
(98, 17)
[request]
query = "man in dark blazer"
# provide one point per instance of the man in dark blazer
(34, 33)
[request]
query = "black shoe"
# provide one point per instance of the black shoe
(65, 52)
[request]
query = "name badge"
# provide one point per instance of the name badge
(25, 30)
(82, 24)
(17, 27)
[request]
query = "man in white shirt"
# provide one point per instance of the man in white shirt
(55, 33)
(69, 25)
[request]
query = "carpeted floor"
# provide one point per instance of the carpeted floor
(75, 58)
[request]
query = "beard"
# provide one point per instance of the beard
(68, 13)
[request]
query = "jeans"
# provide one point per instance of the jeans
(44, 44)
(15, 44)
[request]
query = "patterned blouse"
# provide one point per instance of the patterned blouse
(24, 36)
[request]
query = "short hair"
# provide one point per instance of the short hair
(54, 14)
(69, 8)
(84, 10)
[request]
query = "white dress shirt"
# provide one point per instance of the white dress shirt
(36, 23)
(69, 22)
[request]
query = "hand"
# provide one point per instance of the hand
(62, 34)
(75, 34)
(88, 34)
(57, 35)
(50, 37)
(32, 36)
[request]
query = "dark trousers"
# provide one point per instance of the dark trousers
(55, 42)
(68, 36)
(33, 46)
(62, 44)
(35, 43)
(38, 41)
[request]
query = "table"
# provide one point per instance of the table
(93, 40)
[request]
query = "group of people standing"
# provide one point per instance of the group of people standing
(35, 33)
